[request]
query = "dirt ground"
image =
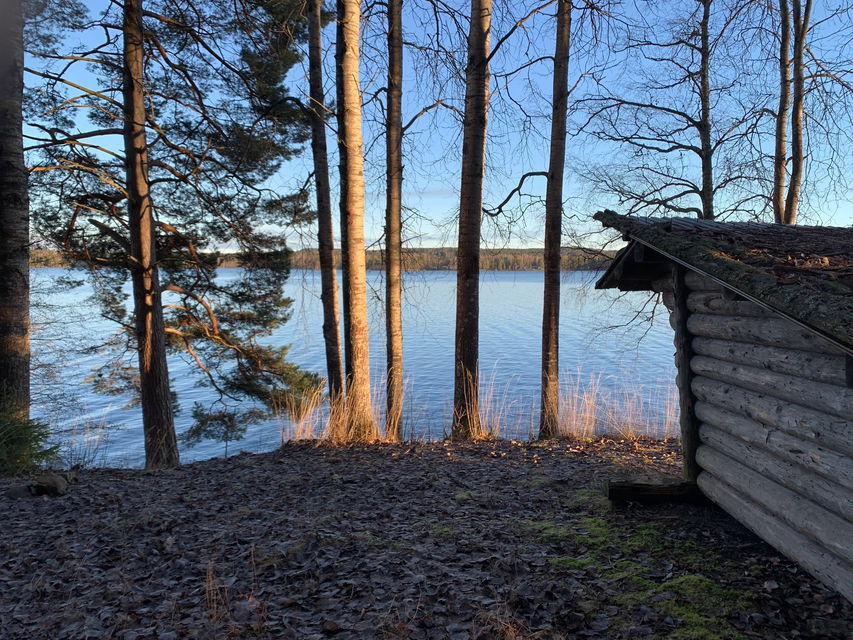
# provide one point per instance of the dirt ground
(429, 540)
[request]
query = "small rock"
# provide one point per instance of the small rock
(330, 626)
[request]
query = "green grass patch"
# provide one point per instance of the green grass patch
(444, 532)
(547, 530)
(701, 604)
(568, 562)
(538, 482)
(644, 537)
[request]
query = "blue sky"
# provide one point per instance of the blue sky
(518, 127)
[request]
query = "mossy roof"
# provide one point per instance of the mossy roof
(805, 273)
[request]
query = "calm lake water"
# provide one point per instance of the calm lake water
(617, 366)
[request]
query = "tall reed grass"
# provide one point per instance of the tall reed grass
(589, 407)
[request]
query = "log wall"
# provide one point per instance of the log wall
(774, 410)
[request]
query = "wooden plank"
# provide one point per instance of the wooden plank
(829, 431)
(805, 364)
(783, 471)
(716, 303)
(774, 332)
(821, 563)
(829, 398)
(683, 356)
(835, 467)
(654, 493)
(809, 518)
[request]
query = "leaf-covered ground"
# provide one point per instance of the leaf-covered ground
(428, 540)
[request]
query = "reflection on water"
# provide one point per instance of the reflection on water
(615, 362)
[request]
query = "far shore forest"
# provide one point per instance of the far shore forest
(428, 259)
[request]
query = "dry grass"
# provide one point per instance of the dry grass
(588, 408)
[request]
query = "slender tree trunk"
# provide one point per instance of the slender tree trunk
(801, 16)
(343, 187)
(466, 410)
(360, 425)
(780, 155)
(14, 222)
(707, 194)
(549, 415)
(161, 449)
(393, 215)
(325, 232)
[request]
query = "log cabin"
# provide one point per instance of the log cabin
(763, 322)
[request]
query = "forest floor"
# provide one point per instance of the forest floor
(429, 540)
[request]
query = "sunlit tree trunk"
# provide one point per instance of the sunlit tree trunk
(342, 187)
(14, 221)
(393, 215)
(325, 232)
(780, 157)
(801, 15)
(707, 149)
(466, 411)
(161, 449)
(359, 418)
(549, 415)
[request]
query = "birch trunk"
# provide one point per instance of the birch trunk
(161, 449)
(780, 157)
(801, 16)
(706, 147)
(393, 210)
(549, 415)
(325, 232)
(14, 222)
(466, 411)
(359, 414)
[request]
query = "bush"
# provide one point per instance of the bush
(23, 442)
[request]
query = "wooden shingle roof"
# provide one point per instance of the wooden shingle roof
(804, 273)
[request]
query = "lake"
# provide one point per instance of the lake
(615, 358)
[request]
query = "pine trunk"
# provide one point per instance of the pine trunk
(780, 155)
(359, 419)
(549, 416)
(325, 231)
(14, 222)
(466, 411)
(393, 211)
(161, 449)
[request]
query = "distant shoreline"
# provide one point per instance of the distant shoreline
(432, 259)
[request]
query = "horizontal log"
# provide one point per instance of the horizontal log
(829, 431)
(809, 518)
(695, 282)
(774, 332)
(829, 398)
(835, 467)
(654, 493)
(716, 303)
(825, 566)
(789, 474)
(820, 367)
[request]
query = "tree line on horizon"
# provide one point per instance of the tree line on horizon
(413, 259)
(164, 153)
